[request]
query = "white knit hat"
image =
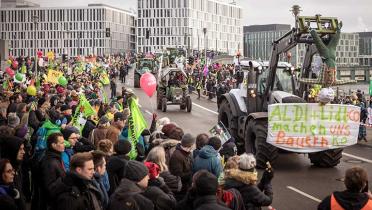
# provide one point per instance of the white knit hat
(247, 161)
(326, 95)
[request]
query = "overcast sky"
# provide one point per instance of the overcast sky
(355, 14)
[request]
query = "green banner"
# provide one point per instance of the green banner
(370, 87)
(137, 124)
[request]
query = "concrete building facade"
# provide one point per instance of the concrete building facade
(72, 31)
(365, 48)
(190, 24)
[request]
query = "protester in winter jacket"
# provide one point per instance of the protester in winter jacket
(116, 127)
(158, 191)
(157, 155)
(201, 141)
(129, 194)
(202, 193)
(10, 198)
(76, 143)
(180, 163)
(49, 127)
(76, 191)
(99, 161)
(356, 195)
(49, 170)
(12, 148)
(100, 132)
(206, 185)
(208, 158)
(244, 179)
(116, 165)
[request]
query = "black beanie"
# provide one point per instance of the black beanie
(135, 171)
(206, 184)
(122, 147)
(68, 131)
(41, 101)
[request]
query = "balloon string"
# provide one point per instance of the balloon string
(152, 105)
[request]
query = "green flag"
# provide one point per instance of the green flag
(370, 88)
(136, 126)
(84, 109)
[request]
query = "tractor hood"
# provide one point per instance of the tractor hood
(284, 97)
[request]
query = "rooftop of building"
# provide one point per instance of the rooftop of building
(365, 34)
(268, 27)
(71, 7)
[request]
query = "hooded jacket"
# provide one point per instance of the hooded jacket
(254, 196)
(128, 196)
(346, 199)
(9, 150)
(208, 159)
(73, 192)
(115, 170)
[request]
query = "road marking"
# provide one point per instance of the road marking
(148, 112)
(357, 157)
(304, 194)
(202, 107)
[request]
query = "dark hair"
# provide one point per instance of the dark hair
(53, 139)
(78, 160)
(3, 163)
(355, 179)
(176, 133)
(98, 157)
(6, 131)
(215, 142)
(201, 140)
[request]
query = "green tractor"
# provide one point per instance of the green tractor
(144, 65)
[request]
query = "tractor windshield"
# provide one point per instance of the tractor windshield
(283, 81)
(146, 63)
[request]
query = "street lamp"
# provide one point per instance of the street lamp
(35, 20)
(205, 44)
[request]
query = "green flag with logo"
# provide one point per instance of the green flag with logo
(84, 109)
(137, 124)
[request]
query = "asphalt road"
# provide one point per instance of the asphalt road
(296, 184)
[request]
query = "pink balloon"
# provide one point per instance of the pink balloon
(10, 72)
(15, 64)
(148, 83)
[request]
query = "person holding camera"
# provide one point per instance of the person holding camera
(244, 179)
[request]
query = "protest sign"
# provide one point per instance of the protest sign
(220, 131)
(53, 76)
(308, 127)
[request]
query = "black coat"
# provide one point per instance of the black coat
(254, 196)
(208, 202)
(162, 199)
(75, 193)
(115, 169)
(49, 170)
(180, 164)
(173, 182)
(128, 196)
(348, 200)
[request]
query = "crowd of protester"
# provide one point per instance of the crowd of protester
(49, 163)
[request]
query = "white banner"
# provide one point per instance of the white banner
(306, 127)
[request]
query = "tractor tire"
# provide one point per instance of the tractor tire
(164, 104)
(326, 159)
(225, 116)
(255, 142)
(188, 104)
(183, 106)
(136, 81)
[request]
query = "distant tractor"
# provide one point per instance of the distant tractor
(244, 111)
(173, 91)
(144, 65)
